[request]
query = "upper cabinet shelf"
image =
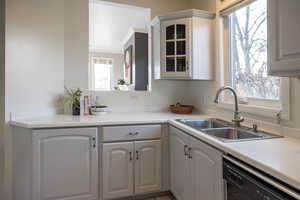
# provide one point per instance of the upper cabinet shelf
(283, 35)
(182, 45)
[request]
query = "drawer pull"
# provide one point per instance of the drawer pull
(131, 134)
(185, 150)
(190, 153)
(136, 133)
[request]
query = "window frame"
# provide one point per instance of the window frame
(92, 73)
(253, 105)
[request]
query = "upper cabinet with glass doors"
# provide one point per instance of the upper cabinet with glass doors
(182, 45)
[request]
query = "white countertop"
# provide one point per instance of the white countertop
(58, 121)
(278, 157)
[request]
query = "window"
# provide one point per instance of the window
(101, 72)
(248, 53)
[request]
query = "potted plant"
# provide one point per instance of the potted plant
(73, 98)
(122, 85)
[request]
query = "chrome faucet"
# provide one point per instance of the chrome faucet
(237, 119)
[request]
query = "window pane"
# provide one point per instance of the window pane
(181, 64)
(102, 76)
(170, 32)
(180, 47)
(249, 53)
(180, 31)
(170, 65)
(170, 48)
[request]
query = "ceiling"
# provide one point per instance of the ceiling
(110, 24)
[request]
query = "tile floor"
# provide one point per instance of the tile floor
(161, 198)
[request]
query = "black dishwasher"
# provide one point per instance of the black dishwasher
(240, 184)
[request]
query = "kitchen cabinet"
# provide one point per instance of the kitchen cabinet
(196, 168)
(131, 168)
(58, 164)
(283, 35)
(182, 45)
(117, 170)
(147, 166)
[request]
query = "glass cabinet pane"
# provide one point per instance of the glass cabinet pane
(170, 32)
(180, 47)
(170, 48)
(180, 31)
(181, 64)
(170, 64)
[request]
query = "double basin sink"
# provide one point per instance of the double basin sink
(225, 131)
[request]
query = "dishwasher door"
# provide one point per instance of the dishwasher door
(242, 185)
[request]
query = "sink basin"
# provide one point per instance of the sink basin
(231, 134)
(204, 123)
(225, 132)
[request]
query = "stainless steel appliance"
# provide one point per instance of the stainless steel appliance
(242, 182)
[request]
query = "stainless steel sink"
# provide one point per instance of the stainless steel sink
(224, 131)
(204, 123)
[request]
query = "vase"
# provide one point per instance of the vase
(75, 110)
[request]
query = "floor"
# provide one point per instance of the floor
(161, 198)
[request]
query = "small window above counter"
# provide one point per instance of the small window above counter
(182, 45)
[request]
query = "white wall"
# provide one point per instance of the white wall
(158, 7)
(109, 29)
(2, 92)
(163, 93)
(76, 43)
(34, 77)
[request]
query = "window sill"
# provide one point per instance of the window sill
(252, 109)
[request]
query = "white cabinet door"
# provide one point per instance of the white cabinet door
(65, 164)
(147, 166)
(283, 35)
(117, 170)
(205, 164)
(179, 163)
(176, 38)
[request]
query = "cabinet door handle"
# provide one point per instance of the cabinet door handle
(137, 155)
(185, 150)
(94, 143)
(130, 156)
(190, 153)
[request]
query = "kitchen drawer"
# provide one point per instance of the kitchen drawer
(125, 133)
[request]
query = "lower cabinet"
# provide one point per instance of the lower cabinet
(131, 168)
(56, 164)
(65, 164)
(196, 168)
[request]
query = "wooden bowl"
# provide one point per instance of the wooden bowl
(181, 109)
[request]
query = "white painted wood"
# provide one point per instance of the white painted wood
(118, 164)
(148, 166)
(206, 180)
(202, 54)
(178, 164)
(65, 164)
(164, 73)
(198, 174)
(125, 133)
(283, 34)
(199, 45)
